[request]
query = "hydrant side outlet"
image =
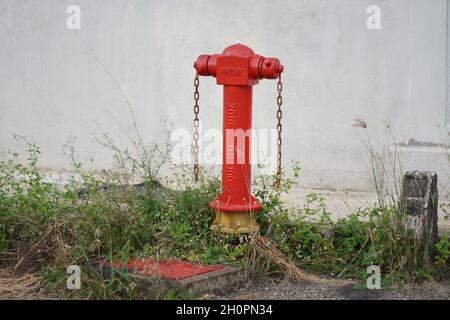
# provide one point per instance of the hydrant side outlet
(238, 68)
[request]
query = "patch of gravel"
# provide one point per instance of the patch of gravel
(269, 289)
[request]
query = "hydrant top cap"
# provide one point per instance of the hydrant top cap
(239, 50)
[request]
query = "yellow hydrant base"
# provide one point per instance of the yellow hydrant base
(235, 222)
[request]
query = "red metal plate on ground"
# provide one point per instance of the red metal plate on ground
(169, 270)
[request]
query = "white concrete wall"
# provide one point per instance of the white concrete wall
(53, 87)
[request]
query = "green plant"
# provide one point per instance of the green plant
(345, 247)
(127, 212)
(105, 217)
(443, 249)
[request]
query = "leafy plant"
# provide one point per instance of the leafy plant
(443, 249)
(128, 212)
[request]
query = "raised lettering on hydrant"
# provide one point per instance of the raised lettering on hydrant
(238, 69)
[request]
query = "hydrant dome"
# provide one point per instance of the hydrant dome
(239, 50)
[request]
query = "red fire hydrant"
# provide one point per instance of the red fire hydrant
(238, 68)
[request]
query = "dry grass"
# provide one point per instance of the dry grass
(25, 286)
(264, 247)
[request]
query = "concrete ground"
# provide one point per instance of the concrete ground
(277, 289)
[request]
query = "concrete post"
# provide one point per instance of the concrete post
(419, 200)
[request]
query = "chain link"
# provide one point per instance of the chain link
(279, 130)
(196, 125)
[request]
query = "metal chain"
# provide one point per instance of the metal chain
(196, 125)
(279, 130)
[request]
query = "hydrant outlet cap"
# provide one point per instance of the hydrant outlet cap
(201, 65)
